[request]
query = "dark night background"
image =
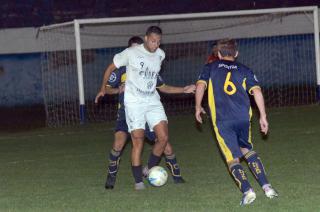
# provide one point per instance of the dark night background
(34, 13)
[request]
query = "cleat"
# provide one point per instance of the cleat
(248, 197)
(270, 192)
(139, 186)
(111, 180)
(145, 171)
(178, 180)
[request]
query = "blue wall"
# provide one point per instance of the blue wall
(20, 80)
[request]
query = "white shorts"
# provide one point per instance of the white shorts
(138, 114)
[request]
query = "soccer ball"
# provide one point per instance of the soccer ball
(157, 176)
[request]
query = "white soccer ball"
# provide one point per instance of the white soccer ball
(157, 176)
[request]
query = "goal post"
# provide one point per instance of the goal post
(317, 47)
(281, 46)
(80, 71)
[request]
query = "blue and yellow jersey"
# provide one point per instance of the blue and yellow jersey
(228, 84)
(118, 77)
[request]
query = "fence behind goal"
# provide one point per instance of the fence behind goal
(279, 45)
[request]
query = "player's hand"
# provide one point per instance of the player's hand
(189, 89)
(99, 96)
(264, 125)
(199, 111)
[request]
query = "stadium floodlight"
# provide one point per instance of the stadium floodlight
(281, 46)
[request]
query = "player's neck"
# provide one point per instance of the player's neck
(146, 48)
(228, 58)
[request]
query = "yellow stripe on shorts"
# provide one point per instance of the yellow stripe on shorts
(224, 148)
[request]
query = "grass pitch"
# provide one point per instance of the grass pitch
(64, 169)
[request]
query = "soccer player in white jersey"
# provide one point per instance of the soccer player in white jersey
(141, 100)
(115, 85)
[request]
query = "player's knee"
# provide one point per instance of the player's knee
(137, 144)
(163, 138)
(168, 149)
(250, 155)
(245, 151)
(137, 136)
(118, 146)
(233, 162)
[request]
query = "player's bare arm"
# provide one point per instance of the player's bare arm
(201, 87)
(106, 76)
(112, 91)
(172, 89)
(258, 97)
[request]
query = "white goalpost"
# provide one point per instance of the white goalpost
(281, 46)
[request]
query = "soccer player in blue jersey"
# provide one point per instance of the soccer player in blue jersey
(115, 85)
(229, 84)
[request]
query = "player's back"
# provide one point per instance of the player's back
(227, 90)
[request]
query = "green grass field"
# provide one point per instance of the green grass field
(65, 169)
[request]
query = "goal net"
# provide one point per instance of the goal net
(279, 45)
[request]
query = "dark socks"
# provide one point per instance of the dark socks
(153, 160)
(137, 173)
(114, 158)
(240, 177)
(173, 166)
(256, 168)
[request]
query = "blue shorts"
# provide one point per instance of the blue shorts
(151, 136)
(232, 135)
(121, 124)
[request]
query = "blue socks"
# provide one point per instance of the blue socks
(153, 160)
(137, 173)
(173, 166)
(114, 158)
(240, 177)
(256, 168)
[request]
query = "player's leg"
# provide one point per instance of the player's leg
(172, 164)
(120, 138)
(241, 179)
(257, 169)
(254, 162)
(137, 137)
(136, 124)
(228, 143)
(170, 158)
(157, 120)
(161, 131)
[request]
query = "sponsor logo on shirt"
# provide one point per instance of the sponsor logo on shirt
(149, 85)
(145, 93)
(148, 74)
(113, 77)
(227, 67)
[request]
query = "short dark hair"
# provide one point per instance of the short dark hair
(135, 39)
(154, 29)
(214, 48)
(227, 47)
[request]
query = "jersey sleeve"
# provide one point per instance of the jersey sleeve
(251, 81)
(122, 58)
(160, 82)
(115, 79)
(204, 75)
(161, 54)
